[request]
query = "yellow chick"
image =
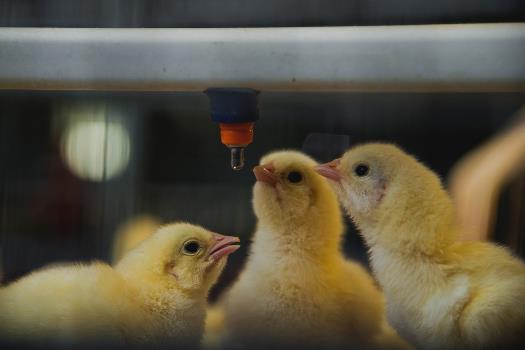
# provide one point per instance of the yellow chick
(441, 293)
(297, 289)
(131, 233)
(155, 295)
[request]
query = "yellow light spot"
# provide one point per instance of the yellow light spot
(94, 148)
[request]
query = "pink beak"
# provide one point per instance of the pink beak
(265, 173)
(224, 245)
(329, 170)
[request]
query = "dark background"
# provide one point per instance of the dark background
(253, 13)
(180, 171)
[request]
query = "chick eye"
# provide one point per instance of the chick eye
(361, 170)
(191, 247)
(294, 177)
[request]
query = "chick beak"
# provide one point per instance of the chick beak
(264, 173)
(329, 170)
(223, 246)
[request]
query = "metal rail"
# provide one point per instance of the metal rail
(470, 57)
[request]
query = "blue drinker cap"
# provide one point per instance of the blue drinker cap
(236, 105)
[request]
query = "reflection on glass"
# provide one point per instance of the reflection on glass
(95, 145)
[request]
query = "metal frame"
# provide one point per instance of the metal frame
(470, 57)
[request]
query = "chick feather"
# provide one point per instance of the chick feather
(441, 293)
(297, 289)
(155, 295)
(214, 327)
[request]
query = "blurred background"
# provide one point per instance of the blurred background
(75, 166)
(253, 13)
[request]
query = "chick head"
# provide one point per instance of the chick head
(181, 256)
(288, 192)
(379, 184)
(361, 176)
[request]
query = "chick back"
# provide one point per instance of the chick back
(64, 304)
(494, 315)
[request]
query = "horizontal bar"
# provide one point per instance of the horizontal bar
(468, 57)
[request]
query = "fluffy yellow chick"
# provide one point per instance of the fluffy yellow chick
(441, 293)
(131, 233)
(297, 289)
(156, 294)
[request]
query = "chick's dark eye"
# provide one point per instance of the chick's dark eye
(294, 177)
(191, 247)
(361, 170)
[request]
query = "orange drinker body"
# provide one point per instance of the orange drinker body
(236, 134)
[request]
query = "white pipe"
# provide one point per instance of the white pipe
(470, 57)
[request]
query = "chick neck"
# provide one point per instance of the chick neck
(415, 221)
(314, 236)
(158, 293)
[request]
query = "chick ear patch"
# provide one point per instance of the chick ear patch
(170, 270)
(380, 191)
(312, 195)
(364, 199)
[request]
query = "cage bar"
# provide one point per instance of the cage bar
(452, 58)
